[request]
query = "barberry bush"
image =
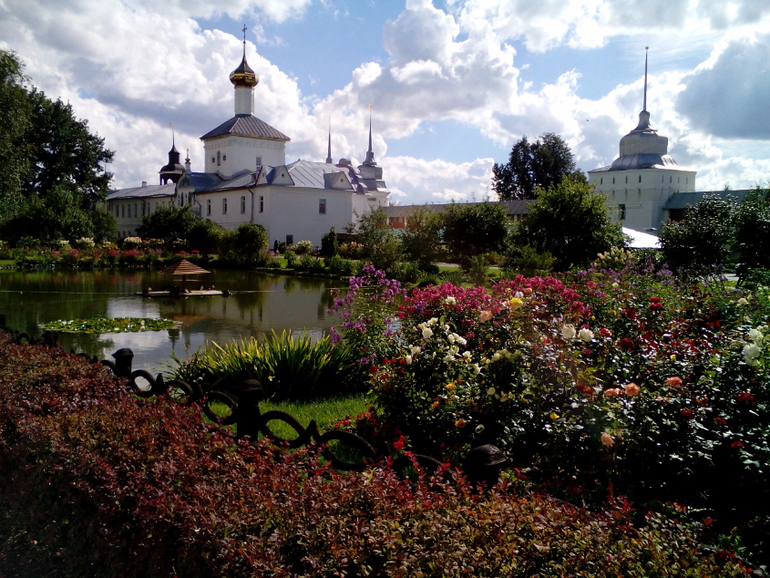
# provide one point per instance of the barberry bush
(96, 482)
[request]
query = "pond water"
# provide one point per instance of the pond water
(259, 303)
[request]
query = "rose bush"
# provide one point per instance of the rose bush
(628, 382)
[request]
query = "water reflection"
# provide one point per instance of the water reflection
(260, 303)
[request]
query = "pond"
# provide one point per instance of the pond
(259, 303)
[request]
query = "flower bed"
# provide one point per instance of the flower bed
(595, 383)
(98, 483)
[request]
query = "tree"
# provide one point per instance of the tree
(53, 167)
(752, 231)
(569, 221)
(702, 239)
(379, 240)
(542, 164)
(330, 246)
(15, 111)
(168, 223)
(475, 228)
(249, 241)
(421, 237)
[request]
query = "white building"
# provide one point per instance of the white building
(246, 180)
(640, 182)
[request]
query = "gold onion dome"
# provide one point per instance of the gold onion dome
(244, 75)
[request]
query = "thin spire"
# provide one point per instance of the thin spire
(646, 48)
(244, 40)
(370, 153)
(173, 136)
(329, 151)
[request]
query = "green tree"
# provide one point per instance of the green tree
(421, 237)
(381, 246)
(15, 112)
(530, 166)
(569, 221)
(330, 246)
(168, 223)
(752, 231)
(475, 228)
(205, 236)
(702, 239)
(53, 167)
(249, 241)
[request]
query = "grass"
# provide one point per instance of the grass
(325, 412)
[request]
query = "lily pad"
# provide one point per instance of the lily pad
(109, 325)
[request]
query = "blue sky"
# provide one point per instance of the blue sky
(453, 83)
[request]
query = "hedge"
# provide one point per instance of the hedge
(96, 482)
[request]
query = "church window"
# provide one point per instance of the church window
(613, 180)
(640, 178)
(626, 179)
(136, 210)
(261, 204)
(224, 158)
(613, 194)
(224, 206)
(219, 158)
(243, 205)
(322, 206)
(123, 210)
(601, 181)
(259, 163)
(289, 240)
(213, 160)
(208, 206)
(621, 212)
(143, 208)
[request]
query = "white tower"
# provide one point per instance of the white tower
(639, 182)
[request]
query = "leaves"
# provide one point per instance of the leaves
(109, 325)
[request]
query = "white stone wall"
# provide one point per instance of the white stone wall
(236, 154)
(642, 192)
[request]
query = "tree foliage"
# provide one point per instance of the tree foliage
(752, 231)
(53, 167)
(475, 228)
(422, 236)
(168, 223)
(702, 239)
(381, 246)
(571, 222)
(541, 164)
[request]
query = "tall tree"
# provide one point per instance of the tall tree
(14, 123)
(51, 162)
(571, 222)
(543, 164)
(475, 228)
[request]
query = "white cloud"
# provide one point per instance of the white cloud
(420, 181)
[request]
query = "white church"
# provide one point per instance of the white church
(246, 180)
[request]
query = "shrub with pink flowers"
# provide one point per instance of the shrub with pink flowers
(596, 383)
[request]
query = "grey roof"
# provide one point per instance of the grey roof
(511, 208)
(310, 174)
(684, 200)
(246, 125)
(149, 191)
(240, 181)
(640, 161)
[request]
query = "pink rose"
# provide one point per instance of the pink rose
(612, 392)
(632, 389)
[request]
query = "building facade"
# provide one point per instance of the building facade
(246, 180)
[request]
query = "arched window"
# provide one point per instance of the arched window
(640, 178)
(219, 158)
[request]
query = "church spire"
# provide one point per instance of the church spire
(173, 171)
(644, 106)
(329, 150)
(244, 80)
(370, 153)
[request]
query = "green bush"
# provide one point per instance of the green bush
(330, 246)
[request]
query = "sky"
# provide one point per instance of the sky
(452, 84)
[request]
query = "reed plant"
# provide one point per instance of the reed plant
(288, 367)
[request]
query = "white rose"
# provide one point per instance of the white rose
(426, 333)
(585, 335)
(568, 332)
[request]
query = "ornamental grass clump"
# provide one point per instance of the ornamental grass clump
(288, 367)
(97, 482)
